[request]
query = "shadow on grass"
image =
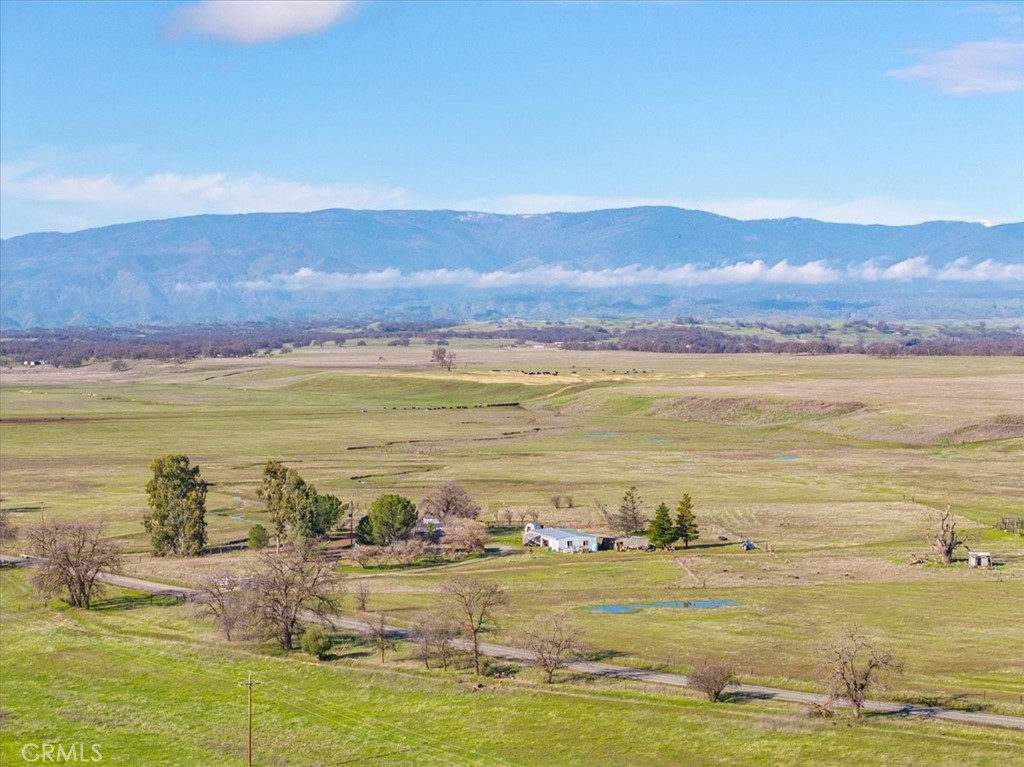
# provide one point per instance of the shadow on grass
(742, 698)
(136, 602)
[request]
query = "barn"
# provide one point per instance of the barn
(560, 539)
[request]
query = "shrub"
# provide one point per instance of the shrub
(258, 537)
(316, 641)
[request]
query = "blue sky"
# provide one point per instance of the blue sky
(862, 112)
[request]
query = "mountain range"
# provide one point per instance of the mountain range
(648, 261)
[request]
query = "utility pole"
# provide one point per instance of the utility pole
(249, 684)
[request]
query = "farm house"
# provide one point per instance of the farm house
(559, 538)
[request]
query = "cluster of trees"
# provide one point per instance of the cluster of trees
(663, 529)
(392, 529)
(176, 520)
(295, 506)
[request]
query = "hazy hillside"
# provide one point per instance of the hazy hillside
(343, 263)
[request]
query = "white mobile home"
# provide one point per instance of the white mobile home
(558, 538)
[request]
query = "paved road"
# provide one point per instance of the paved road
(611, 669)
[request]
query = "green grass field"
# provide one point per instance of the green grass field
(836, 464)
(153, 686)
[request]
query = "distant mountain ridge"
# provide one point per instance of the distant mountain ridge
(414, 264)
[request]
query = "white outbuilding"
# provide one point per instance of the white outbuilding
(559, 538)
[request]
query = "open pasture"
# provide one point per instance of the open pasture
(836, 464)
(154, 686)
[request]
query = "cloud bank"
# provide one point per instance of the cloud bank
(105, 199)
(248, 22)
(739, 273)
(980, 67)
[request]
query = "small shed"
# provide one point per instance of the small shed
(979, 559)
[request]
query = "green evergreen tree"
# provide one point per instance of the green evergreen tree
(685, 522)
(392, 518)
(364, 531)
(630, 517)
(258, 537)
(176, 521)
(661, 532)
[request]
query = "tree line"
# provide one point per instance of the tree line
(73, 347)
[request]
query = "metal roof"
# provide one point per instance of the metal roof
(561, 533)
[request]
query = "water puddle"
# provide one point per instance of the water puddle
(696, 604)
(787, 457)
(602, 435)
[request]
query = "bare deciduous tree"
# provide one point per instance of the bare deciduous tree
(378, 632)
(228, 600)
(435, 637)
(290, 583)
(710, 679)
(852, 664)
(407, 552)
(474, 602)
(447, 501)
(465, 535)
(362, 595)
(947, 539)
(72, 555)
(8, 532)
(364, 555)
(554, 641)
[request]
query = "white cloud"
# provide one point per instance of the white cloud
(106, 199)
(910, 269)
(258, 21)
(552, 276)
(979, 67)
(988, 270)
(548, 276)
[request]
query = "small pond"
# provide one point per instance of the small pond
(696, 604)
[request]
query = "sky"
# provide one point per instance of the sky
(874, 112)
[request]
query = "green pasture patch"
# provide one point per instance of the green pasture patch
(151, 686)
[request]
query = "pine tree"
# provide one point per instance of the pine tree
(630, 517)
(685, 524)
(661, 532)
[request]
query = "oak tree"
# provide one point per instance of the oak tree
(290, 584)
(553, 641)
(853, 664)
(71, 556)
(474, 603)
